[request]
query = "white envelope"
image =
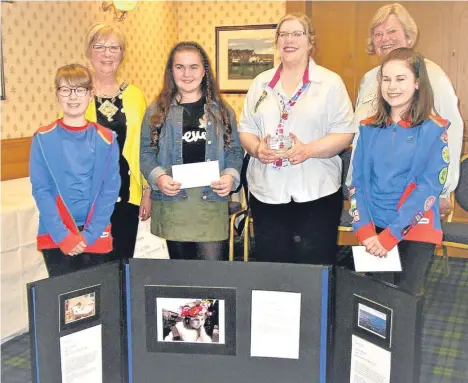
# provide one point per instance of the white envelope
(148, 245)
(196, 174)
(365, 262)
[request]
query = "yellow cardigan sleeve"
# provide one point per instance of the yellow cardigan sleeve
(134, 107)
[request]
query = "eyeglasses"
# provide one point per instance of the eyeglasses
(65, 91)
(295, 34)
(102, 48)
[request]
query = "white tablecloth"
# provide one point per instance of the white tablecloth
(21, 263)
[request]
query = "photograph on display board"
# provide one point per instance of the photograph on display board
(373, 321)
(79, 307)
(184, 319)
(190, 320)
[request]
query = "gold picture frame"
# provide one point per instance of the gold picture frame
(242, 53)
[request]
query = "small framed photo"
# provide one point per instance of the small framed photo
(79, 307)
(242, 53)
(373, 321)
(190, 319)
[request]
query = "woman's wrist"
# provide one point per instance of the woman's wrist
(146, 191)
(255, 150)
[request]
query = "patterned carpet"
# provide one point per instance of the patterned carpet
(445, 335)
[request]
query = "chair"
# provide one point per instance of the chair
(456, 233)
(346, 219)
(237, 209)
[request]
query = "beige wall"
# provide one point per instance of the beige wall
(38, 37)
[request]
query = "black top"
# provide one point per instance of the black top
(111, 114)
(194, 132)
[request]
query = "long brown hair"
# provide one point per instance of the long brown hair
(422, 104)
(209, 88)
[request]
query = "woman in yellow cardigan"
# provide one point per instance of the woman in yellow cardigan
(120, 107)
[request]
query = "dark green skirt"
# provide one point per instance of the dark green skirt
(190, 220)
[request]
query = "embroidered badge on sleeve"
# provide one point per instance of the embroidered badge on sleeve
(443, 175)
(445, 154)
(429, 202)
(444, 137)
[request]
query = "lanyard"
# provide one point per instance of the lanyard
(286, 108)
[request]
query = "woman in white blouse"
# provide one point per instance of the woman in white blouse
(296, 199)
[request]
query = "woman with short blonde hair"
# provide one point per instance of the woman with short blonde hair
(393, 27)
(409, 25)
(120, 107)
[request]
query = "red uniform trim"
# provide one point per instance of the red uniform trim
(425, 232)
(74, 128)
(66, 217)
(69, 243)
(406, 193)
(276, 77)
(47, 128)
(439, 120)
(367, 121)
(387, 240)
(102, 245)
(365, 232)
(105, 133)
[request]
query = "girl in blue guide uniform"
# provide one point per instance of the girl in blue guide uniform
(399, 170)
(75, 180)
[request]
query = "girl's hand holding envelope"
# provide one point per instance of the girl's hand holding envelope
(223, 186)
(168, 186)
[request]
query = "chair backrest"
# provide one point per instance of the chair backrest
(243, 186)
(346, 160)
(461, 192)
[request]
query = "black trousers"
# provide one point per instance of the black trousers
(58, 263)
(416, 260)
(207, 251)
(297, 232)
(124, 222)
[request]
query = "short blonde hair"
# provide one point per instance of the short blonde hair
(306, 23)
(103, 31)
(403, 16)
(75, 75)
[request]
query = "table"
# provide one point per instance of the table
(21, 263)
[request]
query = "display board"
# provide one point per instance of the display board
(75, 327)
(376, 331)
(227, 322)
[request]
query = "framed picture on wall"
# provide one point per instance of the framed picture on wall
(243, 52)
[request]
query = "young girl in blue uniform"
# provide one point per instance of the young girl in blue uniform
(74, 171)
(399, 169)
